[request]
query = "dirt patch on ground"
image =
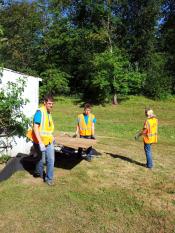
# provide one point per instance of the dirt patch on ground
(29, 179)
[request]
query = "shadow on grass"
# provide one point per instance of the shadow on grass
(126, 159)
(66, 161)
(82, 101)
(24, 162)
(13, 165)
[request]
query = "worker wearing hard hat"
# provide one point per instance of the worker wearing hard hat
(149, 133)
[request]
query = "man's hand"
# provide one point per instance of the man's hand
(93, 137)
(54, 141)
(136, 137)
(42, 147)
(75, 135)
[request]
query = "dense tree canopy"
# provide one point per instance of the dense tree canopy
(167, 40)
(94, 49)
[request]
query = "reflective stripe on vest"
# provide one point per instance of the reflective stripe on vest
(85, 129)
(152, 128)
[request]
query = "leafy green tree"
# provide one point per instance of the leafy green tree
(11, 104)
(93, 32)
(113, 74)
(167, 37)
(54, 81)
(67, 42)
(56, 58)
(22, 23)
(139, 21)
(158, 82)
(3, 40)
(1, 33)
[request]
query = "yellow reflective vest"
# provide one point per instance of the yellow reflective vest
(85, 129)
(151, 127)
(46, 128)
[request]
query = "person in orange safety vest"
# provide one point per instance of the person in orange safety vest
(43, 141)
(85, 128)
(149, 133)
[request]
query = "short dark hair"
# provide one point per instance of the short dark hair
(87, 105)
(48, 97)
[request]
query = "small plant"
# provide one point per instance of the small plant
(11, 104)
(4, 158)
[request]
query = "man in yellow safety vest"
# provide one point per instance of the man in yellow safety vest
(85, 128)
(42, 136)
(149, 132)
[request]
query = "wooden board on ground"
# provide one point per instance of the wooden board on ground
(68, 141)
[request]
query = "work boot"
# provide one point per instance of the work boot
(50, 183)
(83, 154)
(36, 175)
(88, 158)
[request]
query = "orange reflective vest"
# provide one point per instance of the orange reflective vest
(151, 127)
(85, 129)
(46, 128)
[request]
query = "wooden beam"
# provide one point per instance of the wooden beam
(68, 141)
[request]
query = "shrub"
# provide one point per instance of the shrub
(11, 104)
(158, 83)
(55, 82)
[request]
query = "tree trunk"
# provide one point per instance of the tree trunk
(115, 102)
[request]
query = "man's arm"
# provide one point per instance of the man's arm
(93, 129)
(37, 121)
(76, 132)
(145, 127)
(142, 132)
(37, 134)
(36, 131)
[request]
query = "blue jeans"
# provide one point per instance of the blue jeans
(47, 157)
(89, 150)
(148, 152)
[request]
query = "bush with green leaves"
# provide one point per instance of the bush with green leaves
(113, 74)
(55, 82)
(158, 83)
(4, 158)
(12, 118)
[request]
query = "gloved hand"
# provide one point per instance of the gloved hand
(75, 135)
(93, 137)
(136, 137)
(42, 147)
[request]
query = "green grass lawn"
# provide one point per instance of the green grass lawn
(114, 193)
